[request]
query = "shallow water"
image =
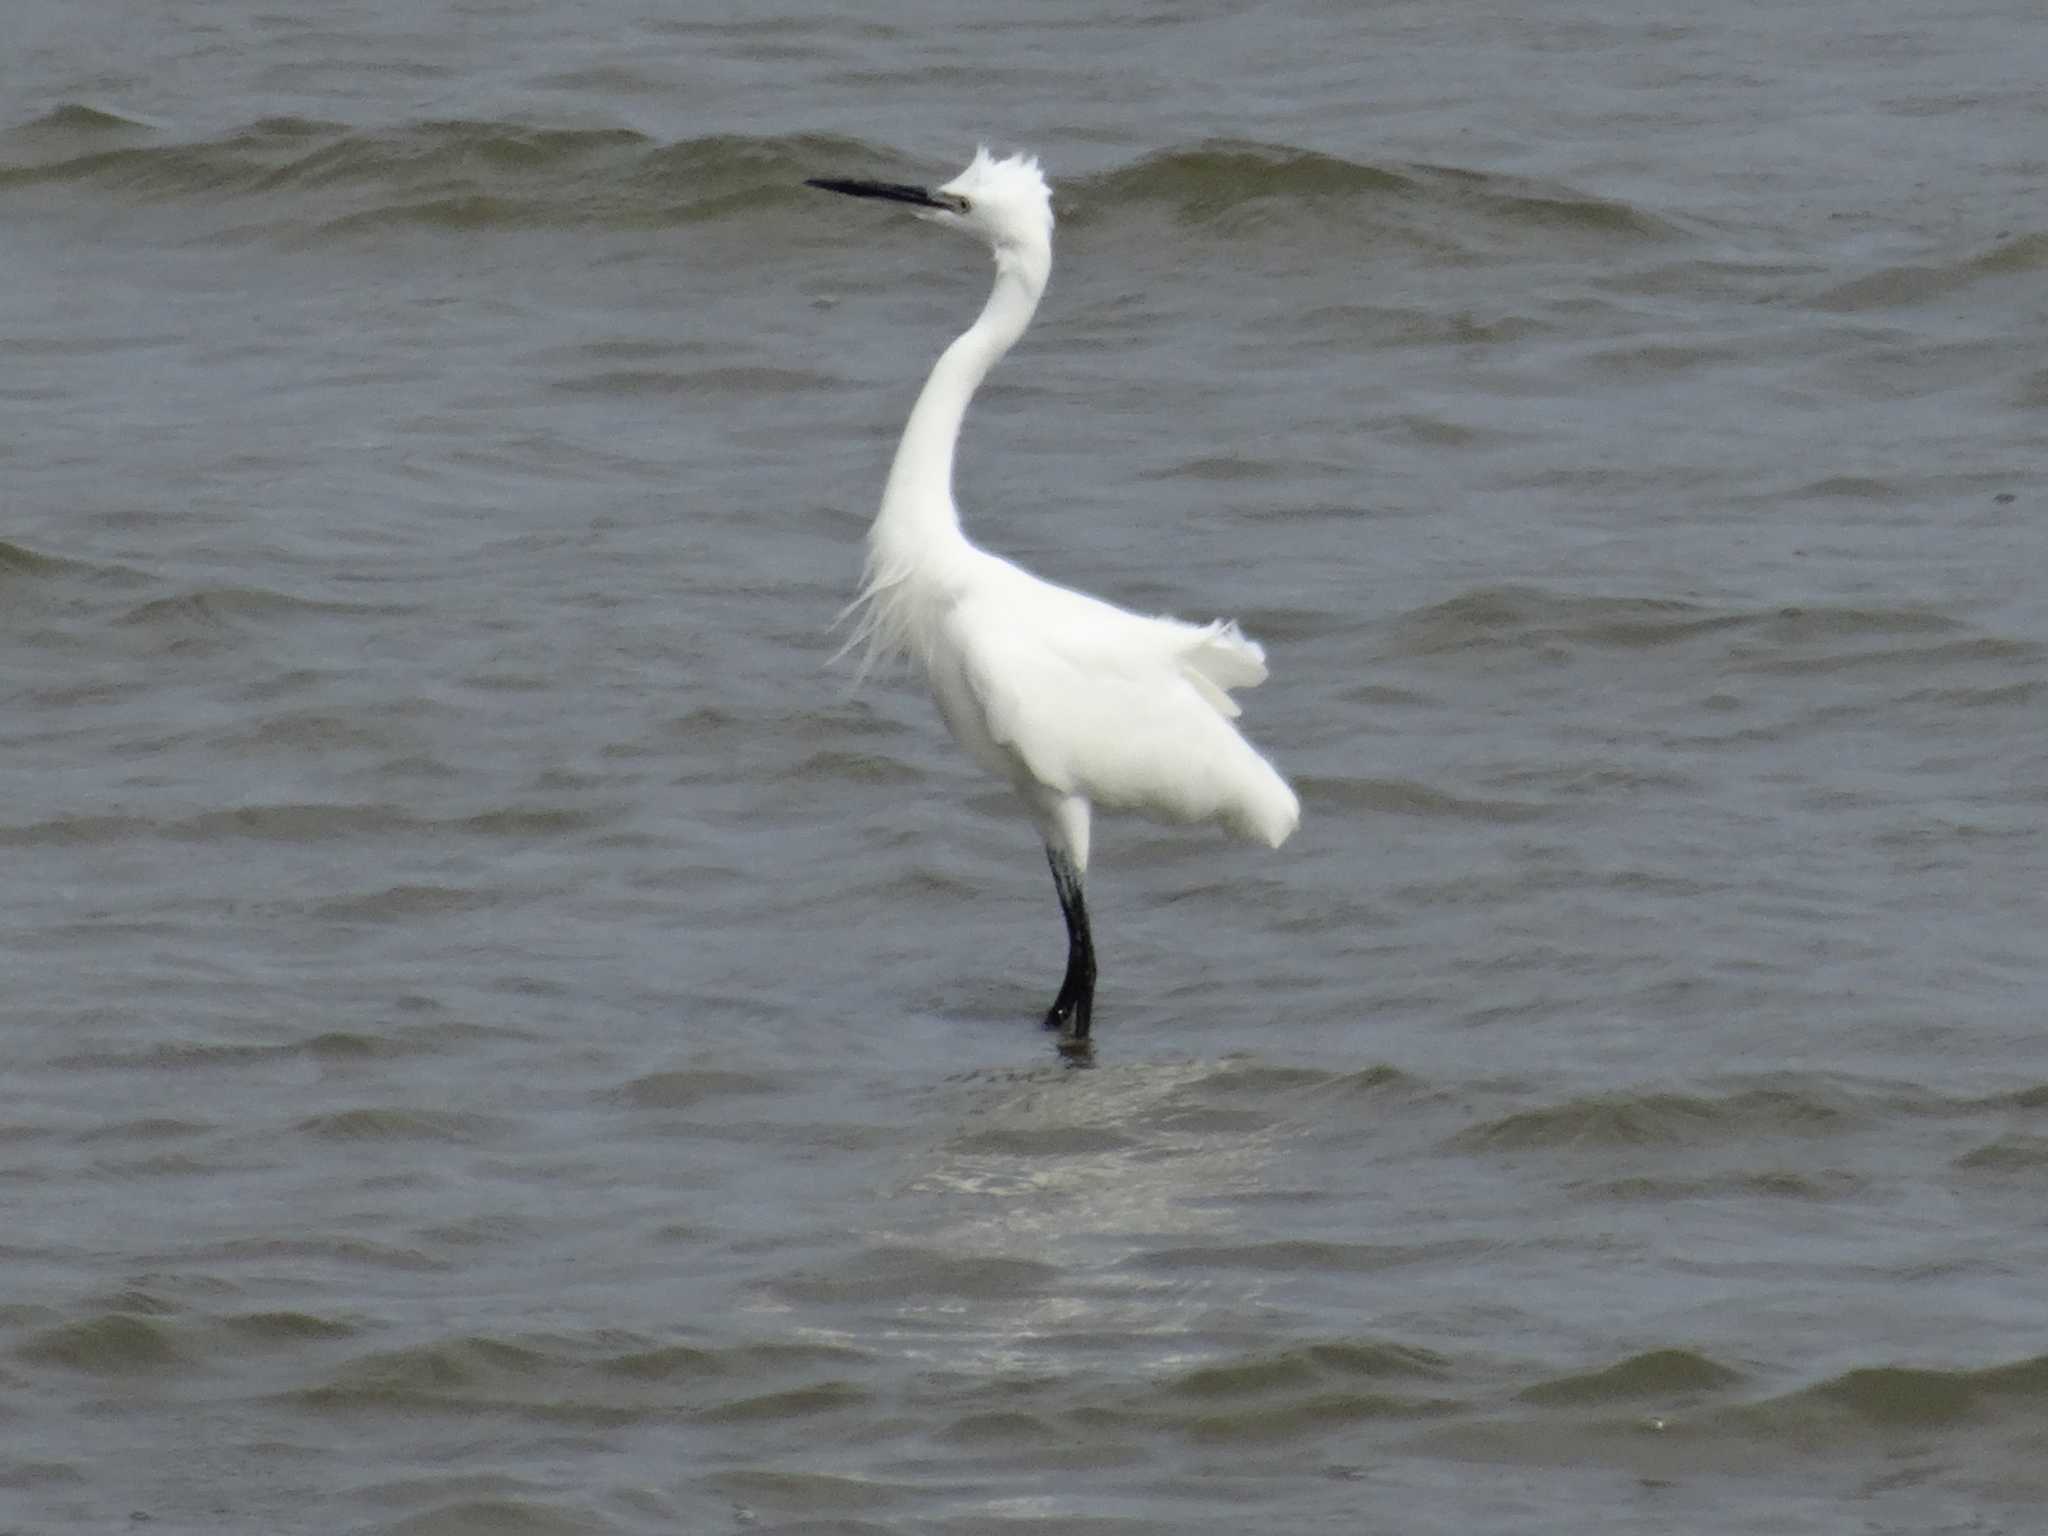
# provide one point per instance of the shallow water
(501, 1039)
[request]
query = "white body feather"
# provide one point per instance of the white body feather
(1073, 700)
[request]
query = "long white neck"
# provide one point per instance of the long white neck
(917, 519)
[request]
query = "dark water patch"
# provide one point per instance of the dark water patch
(578, 1381)
(218, 610)
(526, 1516)
(1803, 626)
(1283, 1395)
(118, 1344)
(1310, 1367)
(30, 1475)
(1231, 183)
(1847, 488)
(1965, 655)
(1660, 1373)
(1519, 619)
(462, 175)
(824, 1397)
(450, 1371)
(750, 1362)
(286, 1329)
(1292, 1421)
(837, 764)
(1886, 1400)
(1651, 361)
(1909, 284)
(1518, 627)
(402, 903)
(2021, 695)
(1296, 1256)
(400, 1125)
(173, 1055)
(1226, 469)
(148, 1128)
(2012, 1153)
(328, 1045)
(1374, 1083)
(729, 382)
(1670, 1119)
(670, 1362)
(1002, 1429)
(463, 213)
(307, 730)
(688, 1087)
(803, 1491)
(343, 1252)
(1376, 325)
(309, 822)
(19, 561)
(893, 1275)
(71, 126)
(1406, 797)
(534, 821)
(305, 822)
(1768, 1184)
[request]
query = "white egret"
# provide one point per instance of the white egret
(1074, 701)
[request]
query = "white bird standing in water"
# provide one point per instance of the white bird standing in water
(1074, 701)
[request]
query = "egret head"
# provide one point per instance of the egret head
(1004, 201)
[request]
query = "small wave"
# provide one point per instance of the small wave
(479, 174)
(1790, 1107)
(1660, 1373)
(1907, 1397)
(1901, 287)
(1516, 626)
(17, 560)
(1219, 181)
(1517, 618)
(1206, 180)
(2014, 1153)
(306, 822)
(560, 1380)
(116, 1344)
(686, 1088)
(1294, 1393)
(212, 610)
(1297, 1256)
(1309, 1366)
(524, 1511)
(287, 1329)
(67, 132)
(655, 383)
(79, 119)
(458, 174)
(1405, 797)
(399, 1125)
(401, 903)
(899, 1273)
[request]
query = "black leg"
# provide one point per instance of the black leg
(1070, 1010)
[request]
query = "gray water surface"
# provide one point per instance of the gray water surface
(500, 1038)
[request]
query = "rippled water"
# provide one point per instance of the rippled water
(499, 1038)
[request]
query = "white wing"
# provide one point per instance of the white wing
(1082, 697)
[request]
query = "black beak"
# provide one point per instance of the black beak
(892, 192)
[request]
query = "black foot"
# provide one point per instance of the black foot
(1069, 1016)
